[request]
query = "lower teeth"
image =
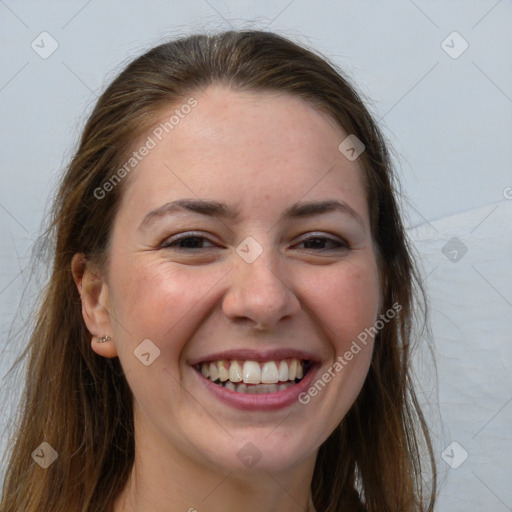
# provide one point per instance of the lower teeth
(256, 388)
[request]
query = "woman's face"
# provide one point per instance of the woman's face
(220, 258)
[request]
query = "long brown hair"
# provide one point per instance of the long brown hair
(81, 404)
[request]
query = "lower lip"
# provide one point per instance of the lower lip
(260, 401)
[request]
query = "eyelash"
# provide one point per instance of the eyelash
(170, 243)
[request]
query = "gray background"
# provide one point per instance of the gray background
(447, 113)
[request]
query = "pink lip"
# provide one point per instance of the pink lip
(260, 402)
(256, 355)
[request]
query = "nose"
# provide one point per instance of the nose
(258, 294)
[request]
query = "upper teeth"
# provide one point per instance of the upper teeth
(252, 372)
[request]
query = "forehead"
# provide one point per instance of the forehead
(246, 148)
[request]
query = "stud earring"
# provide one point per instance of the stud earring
(105, 338)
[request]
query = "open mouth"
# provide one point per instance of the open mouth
(254, 377)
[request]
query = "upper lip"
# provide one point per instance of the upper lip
(257, 355)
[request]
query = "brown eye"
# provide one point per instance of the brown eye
(186, 241)
(323, 243)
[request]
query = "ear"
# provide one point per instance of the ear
(94, 295)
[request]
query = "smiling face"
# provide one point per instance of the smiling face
(242, 250)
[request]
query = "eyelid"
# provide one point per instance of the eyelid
(310, 235)
(187, 234)
(322, 234)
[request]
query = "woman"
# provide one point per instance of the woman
(228, 321)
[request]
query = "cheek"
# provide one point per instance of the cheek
(159, 301)
(345, 300)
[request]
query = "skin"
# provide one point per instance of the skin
(259, 153)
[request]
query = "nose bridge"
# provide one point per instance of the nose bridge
(259, 290)
(262, 274)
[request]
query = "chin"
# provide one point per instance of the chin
(259, 450)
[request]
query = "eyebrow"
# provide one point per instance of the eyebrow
(216, 209)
